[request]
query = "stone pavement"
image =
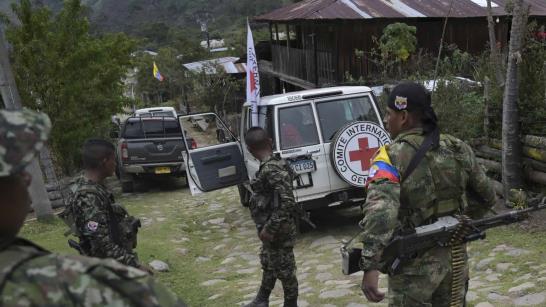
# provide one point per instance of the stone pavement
(223, 226)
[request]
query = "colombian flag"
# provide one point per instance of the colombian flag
(157, 74)
(382, 168)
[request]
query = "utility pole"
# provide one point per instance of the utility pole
(12, 101)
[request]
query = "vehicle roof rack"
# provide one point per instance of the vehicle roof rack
(320, 95)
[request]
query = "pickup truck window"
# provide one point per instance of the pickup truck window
(139, 128)
(336, 113)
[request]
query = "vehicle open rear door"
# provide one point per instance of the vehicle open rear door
(214, 160)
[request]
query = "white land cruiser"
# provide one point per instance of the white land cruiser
(328, 135)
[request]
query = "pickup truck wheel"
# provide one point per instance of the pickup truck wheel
(127, 182)
(127, 186)
(244, 195)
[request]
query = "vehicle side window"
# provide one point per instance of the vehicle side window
(269, 123)
(297, 127)
(335, 114)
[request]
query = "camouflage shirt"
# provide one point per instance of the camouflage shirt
(92, 211)
(442, 184)
(31, 276)
(275, 176)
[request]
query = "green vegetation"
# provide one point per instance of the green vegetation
(396, 45)
(65, 72)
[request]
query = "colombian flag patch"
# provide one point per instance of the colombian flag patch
(382, 168)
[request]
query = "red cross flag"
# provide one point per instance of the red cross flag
(253, 78)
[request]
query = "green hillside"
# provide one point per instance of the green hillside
(152, 17)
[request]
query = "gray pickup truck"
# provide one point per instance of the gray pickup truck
(150, 147)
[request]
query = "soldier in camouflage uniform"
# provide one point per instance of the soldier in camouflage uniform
(104, 228)
(440, 185)
(272, 208)
(32, 276)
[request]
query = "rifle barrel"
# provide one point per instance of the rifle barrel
(505, 218)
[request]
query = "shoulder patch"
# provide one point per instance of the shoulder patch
(382, 168)
(92, 226)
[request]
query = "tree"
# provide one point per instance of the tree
(495, 56)
(396, 45)
(9, 95)
(217, 91)
(70, 75)
(512, 176)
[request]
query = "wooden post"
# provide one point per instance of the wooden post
(544, 74)
(288, 41)
(495, 57)
(12, 101)
(486, 100)
(271, 34)
(315, 56)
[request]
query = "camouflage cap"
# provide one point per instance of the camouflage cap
(22, 135)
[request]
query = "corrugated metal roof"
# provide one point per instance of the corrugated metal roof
(367, 9)
(209, 66)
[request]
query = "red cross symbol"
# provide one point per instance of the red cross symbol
(364, 154)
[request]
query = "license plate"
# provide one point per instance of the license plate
(303, 166)
(162, 170)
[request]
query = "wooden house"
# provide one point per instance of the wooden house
(317, 42)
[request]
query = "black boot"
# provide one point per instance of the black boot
(261, 300)
(291, 302)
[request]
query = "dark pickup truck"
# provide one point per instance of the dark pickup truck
(149, 147)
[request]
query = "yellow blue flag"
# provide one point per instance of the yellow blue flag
(157, 74)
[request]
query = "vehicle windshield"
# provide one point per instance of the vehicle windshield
(139, 128)
(335, 114)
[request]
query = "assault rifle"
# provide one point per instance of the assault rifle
(404, 247)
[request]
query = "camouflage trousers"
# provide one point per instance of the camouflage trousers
(279, 263)
(425, 281)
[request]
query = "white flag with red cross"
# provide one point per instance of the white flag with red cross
(253, 78)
